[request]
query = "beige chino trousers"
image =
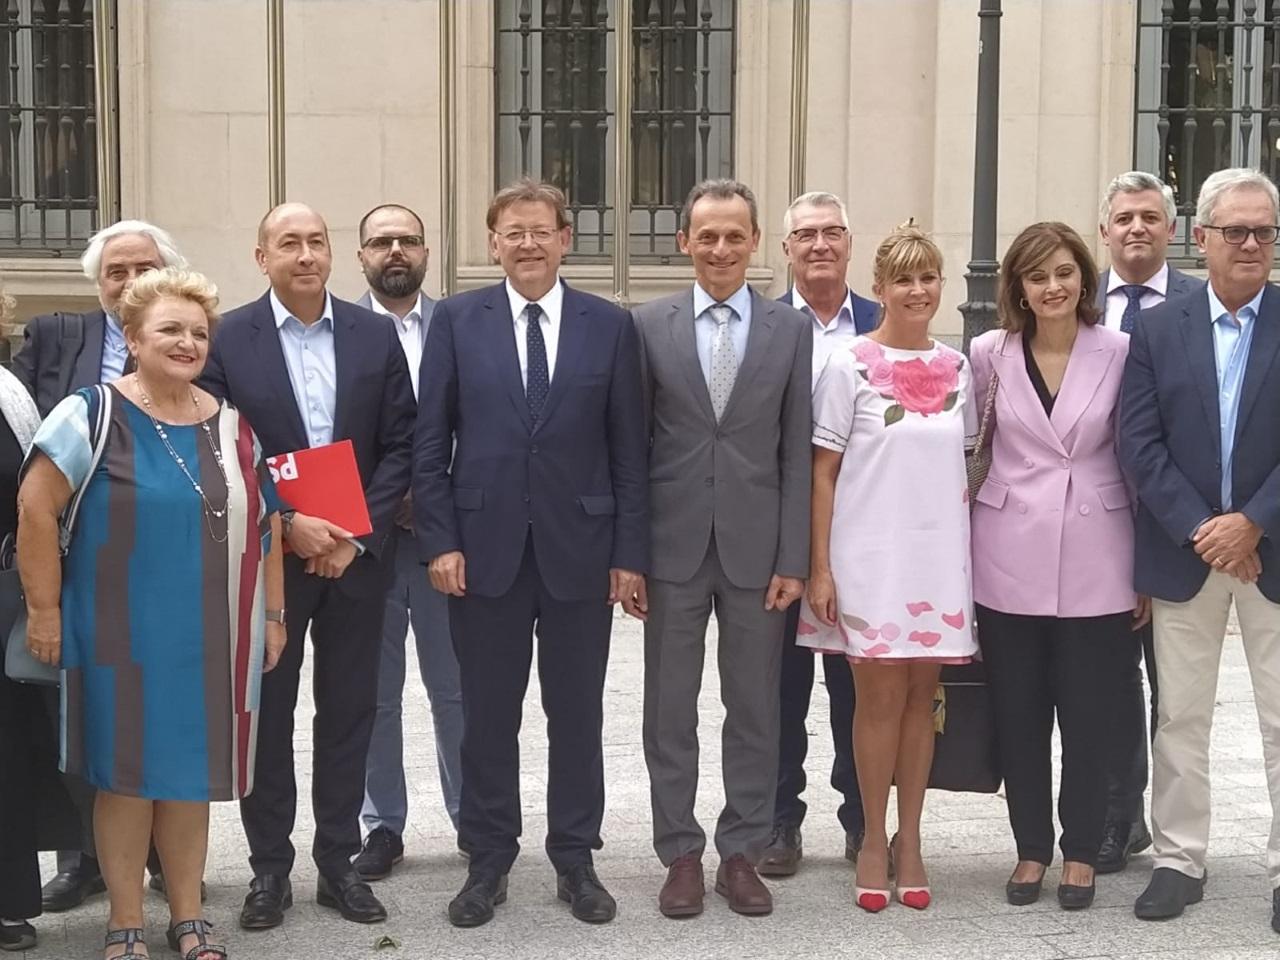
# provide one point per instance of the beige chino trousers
(1188, 644)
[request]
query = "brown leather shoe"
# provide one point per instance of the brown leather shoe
(781, 858)
(681, 895)
(737, 882)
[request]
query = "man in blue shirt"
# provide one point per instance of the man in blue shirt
(1198, 440)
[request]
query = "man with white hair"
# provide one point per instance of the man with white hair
(1137, 220)
(62, 352)
(1197, 438)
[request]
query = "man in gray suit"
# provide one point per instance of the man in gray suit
(393, 255)
(1137, 219)
(727, 397)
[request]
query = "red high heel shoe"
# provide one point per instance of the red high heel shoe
(917, 898)
(871, 900)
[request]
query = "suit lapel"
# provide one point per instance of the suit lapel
(1086, 367)
(759, 338)
(346, 349)
(500, 335)
(1197, 338)
(1262, 354)
(574, 328)
(274, 369)
(686, 347)
(1100, 300)
(87, 369)
(1011, 366)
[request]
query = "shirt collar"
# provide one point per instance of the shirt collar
(740, 301)
(414, 315)
(1217, 311)
(281, 312)
(550, 302)
(1158, 281)
(845, 311)
(115, 329)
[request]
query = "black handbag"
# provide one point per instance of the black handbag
(964, 750)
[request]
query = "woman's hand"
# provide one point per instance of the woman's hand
(276, 639)
(1141, 613)
(44, 635)
(822, 597)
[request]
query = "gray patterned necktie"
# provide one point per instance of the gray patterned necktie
(724, 359)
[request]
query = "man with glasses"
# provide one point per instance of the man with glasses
(817, 244)
(393, 257)
(531, 507)
(1198, 439)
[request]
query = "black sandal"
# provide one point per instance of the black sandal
(204, 950)
(130, 937)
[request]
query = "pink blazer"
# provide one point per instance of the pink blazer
(1052, 529)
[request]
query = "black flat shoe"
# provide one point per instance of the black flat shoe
(69, 889)
(351, 897)
(17, 936)
(269, 897)
(473, 906)
(1023, 894)
(1167, 895)
(1074, 897)
(582, 890)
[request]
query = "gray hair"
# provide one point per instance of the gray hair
(91, 262)
(1137, 181)
(1219, 184)
(814, 198)
(719, 189)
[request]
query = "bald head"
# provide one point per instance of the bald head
(289, 212)
(293, 252)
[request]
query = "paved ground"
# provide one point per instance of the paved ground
(968, 847)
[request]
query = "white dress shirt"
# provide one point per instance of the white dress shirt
(552, 303)
(827, 337)
(1157, 288)
(409, 327)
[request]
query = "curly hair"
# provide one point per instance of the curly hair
(171, 283)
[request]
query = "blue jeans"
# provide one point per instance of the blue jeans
(412, 599)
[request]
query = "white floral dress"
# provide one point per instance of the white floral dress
(900, 525)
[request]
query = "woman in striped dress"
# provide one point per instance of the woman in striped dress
(167, 606)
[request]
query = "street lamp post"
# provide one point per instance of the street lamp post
(980, 309)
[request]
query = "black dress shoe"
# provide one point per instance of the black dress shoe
(582, 890)
(382, 851)
(18, 936)
(156, 883)
(69, 889)
(1075, 897)
(269, 897)
(473, 906)
(351, 897)
(1120, 841)
(781, 858)
(1167, 894)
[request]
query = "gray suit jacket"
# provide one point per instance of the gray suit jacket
(1180, 284)
(746, 478)
(428, 308)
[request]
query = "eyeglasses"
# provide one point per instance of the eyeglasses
(514, 238)
(408, 241)
(808, 235)
(1236, 234)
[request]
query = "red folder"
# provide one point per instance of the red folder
(323, 482)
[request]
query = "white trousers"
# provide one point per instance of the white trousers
(1188, 642)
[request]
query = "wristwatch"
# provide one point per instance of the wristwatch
(276, 616)
(286, 521)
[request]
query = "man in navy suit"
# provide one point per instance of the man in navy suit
(307, 369)
(817, 243)
(538, 521)
(1198, 441)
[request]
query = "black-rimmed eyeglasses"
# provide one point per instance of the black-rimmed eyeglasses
(1235, 234)
(408, 241)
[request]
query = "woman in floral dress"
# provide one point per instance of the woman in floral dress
(890, 586)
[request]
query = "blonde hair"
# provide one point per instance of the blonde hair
(905, 251)
(171, 283)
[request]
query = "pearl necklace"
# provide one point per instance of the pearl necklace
(210, 511)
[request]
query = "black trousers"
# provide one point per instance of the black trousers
(797, 688)
(1074, 667)
(1127, 780)
(346, 635)
(493, 639)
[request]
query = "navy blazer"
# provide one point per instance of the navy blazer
(374, 406)
(577, 482)
(866, 313)
(60, 353)
(1180, 284)
(1170, 448)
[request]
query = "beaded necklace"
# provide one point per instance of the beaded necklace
(210, 511)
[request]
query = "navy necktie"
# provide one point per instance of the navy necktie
(1134, 292)
(537, 377)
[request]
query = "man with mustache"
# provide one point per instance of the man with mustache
(393, 256)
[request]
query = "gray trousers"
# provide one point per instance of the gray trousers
(412, 600)
(750, 662)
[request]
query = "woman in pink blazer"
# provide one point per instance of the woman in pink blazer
(1052, 538)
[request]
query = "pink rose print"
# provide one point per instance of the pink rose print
(945, 371)
(856, 623)
(917, 389)
(868, 351)
(954, 620)
(926, 638)
(890, 631)
(870, 633)
(880, 376)
(879, 650)
(805, 628)
(923, 606)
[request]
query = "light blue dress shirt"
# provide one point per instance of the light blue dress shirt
(114, 351)
(309, 355)
(704, 327)
(1231, 341)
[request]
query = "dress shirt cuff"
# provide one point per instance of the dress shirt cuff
(360, 547)
(1191, 537)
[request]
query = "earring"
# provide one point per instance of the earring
(1023, 304)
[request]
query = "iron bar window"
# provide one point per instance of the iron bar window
(555, 109)
(49, 152)
(1208, 96)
